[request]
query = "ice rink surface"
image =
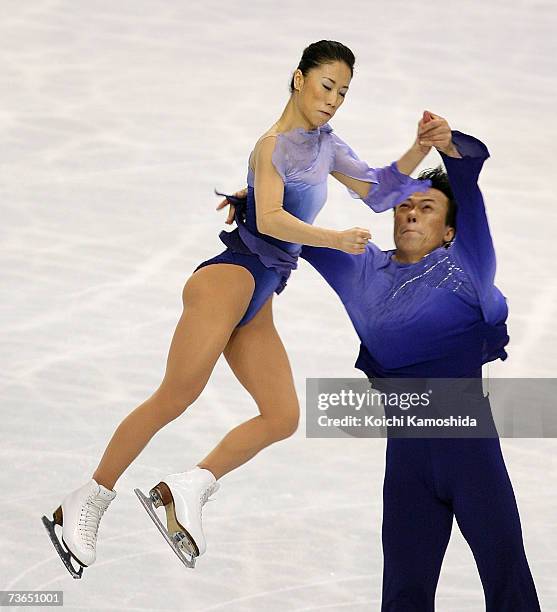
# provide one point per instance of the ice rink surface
(118, 118)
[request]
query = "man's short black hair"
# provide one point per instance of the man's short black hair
(440, 181)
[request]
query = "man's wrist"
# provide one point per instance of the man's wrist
(450, 151)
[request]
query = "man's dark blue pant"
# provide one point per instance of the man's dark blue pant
(427, 481)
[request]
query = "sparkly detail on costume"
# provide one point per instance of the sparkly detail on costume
(449, 269)
(414, 278)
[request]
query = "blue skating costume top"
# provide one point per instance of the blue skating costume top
(440, 317)
(304, 159)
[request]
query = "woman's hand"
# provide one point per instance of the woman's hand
(352, 240)
(434, 131)
(239, 194)
(426, 118)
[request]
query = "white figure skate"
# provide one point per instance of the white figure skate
(79, 516)
(183, 496)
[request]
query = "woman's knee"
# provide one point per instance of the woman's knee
(171, 400)
(285, 426)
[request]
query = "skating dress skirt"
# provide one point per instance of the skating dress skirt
(303, 159)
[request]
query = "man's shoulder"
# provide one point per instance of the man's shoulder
(379, 258)
(372, 250)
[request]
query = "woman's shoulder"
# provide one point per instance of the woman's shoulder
(268, 139)
(272, 132)
(295, 151)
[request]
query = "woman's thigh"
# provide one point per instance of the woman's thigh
(214, 298)
(258, 359)
(266, 279)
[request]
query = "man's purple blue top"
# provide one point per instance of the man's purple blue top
(304, 159)
(439, 317)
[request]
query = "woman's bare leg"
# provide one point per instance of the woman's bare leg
(215, 298)
(258, 359)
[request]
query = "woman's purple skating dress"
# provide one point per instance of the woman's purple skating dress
(304, 159)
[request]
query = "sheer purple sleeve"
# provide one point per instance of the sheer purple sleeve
(389, 186)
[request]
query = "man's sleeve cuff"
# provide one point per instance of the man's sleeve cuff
(467, 146)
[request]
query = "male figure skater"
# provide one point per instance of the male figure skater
(430, 309)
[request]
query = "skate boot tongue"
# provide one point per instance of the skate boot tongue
(106, 494)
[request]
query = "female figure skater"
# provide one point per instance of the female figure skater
(228, 308)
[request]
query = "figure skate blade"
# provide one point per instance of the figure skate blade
(65, 555)
(173, 540)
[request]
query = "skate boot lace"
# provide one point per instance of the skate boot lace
(204, 497)
(90, 517)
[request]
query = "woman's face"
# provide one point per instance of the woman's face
(321, 92)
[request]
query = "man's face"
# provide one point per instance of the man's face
(420, 225)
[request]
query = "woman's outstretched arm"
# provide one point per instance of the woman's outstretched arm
(405, 165)
(383, 188)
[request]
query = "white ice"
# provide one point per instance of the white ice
(117, 119)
